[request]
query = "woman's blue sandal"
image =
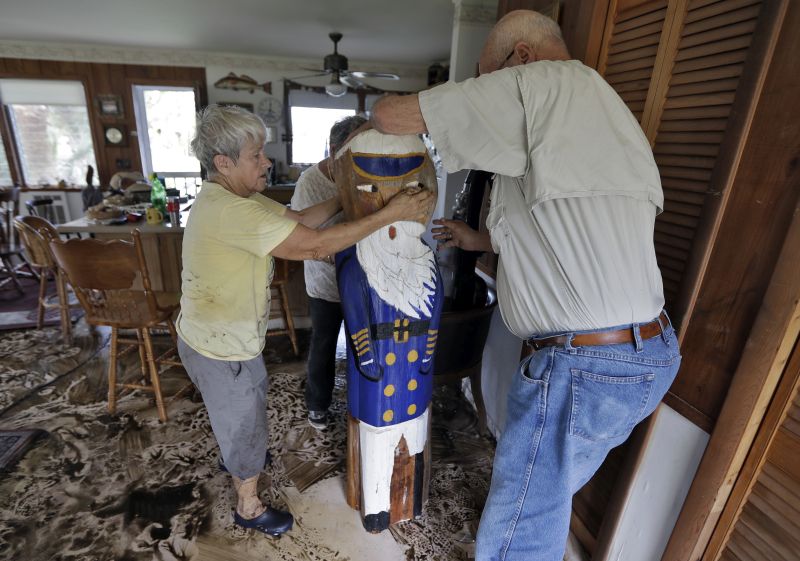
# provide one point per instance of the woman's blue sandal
(271, 522)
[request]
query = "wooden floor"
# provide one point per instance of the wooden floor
(126, 485)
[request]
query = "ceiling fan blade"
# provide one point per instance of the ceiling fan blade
(350, 82)
(384, 75)
(320, 70)
(309, 76)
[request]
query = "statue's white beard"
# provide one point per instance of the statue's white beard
(401, 270)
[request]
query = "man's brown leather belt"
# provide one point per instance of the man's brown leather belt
(647, 331)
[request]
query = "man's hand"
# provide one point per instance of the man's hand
(455, 233)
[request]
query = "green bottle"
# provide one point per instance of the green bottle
(158, 194)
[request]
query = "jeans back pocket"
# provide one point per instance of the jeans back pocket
(605, 407)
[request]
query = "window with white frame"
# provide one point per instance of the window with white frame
(312, 114)
(50, 132)
(311, 128)
(165, 119)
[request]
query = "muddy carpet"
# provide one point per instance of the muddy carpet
(19, 311)
(126, 487)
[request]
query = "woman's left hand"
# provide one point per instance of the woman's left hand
(455, 233)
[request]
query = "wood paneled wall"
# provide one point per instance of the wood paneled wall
(108, 79)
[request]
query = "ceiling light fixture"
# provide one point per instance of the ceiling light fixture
(335, 88)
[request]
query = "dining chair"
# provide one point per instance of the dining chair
(111, 281)
(36, 234)
(280, 279)
(10, 249)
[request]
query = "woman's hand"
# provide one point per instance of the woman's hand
(455, 233)
(412, 204)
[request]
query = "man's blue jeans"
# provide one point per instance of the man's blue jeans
(567, 408)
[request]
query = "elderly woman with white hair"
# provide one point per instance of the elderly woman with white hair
(230, 239)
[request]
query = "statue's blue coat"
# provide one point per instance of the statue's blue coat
(389, 355)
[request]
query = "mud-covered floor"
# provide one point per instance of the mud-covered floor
(127, 487)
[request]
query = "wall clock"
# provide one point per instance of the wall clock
(270, 109)
(115, 135)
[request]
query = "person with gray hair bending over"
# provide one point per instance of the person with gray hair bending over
(572, 216)
(314, 186)
(229, 242)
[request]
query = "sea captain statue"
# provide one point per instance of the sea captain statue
(392, 297)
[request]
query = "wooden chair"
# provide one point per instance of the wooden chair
(36, 234)
(280, 279)
(9, 248)
(111, 282)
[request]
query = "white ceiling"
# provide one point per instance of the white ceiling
(414, 32)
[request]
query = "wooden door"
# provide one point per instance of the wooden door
(761, 521)
(678, 65)
(634, 32)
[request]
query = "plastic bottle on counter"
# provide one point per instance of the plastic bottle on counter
(158, 194)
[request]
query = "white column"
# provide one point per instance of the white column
(472, 21)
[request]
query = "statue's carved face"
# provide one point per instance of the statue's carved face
(373, 167)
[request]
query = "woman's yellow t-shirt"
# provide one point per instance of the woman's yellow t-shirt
(227, 269)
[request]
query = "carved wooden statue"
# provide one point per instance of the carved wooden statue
(392, 297)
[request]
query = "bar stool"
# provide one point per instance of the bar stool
(280, 279)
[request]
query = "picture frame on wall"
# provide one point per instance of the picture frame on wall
(109, 105)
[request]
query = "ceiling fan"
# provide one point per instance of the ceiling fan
(335, 65)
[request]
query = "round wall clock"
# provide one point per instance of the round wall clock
(114, 135)
(270, 109)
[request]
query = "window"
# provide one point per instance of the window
(54, 143)
(311, 127)
(312, 113)
(49, 126)
(165, 119)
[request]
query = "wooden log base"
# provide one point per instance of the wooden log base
(407, 488)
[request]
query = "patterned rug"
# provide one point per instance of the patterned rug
(20, 311)
(127, 487)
